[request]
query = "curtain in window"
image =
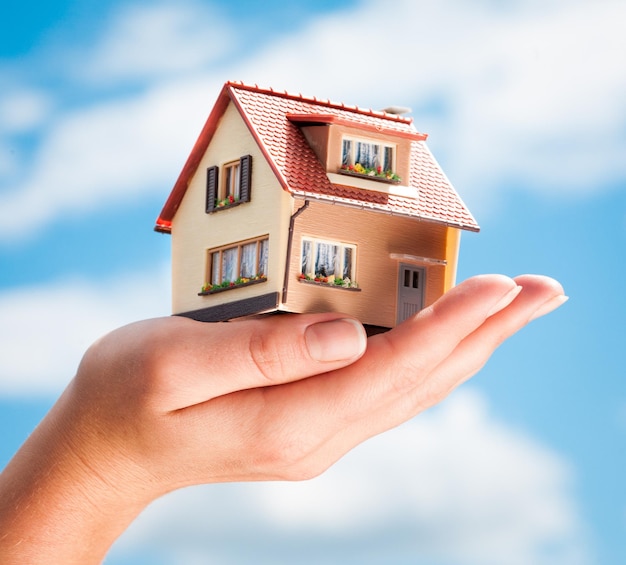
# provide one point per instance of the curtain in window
(370, 155)
(229, 265)
(387, 163)
(248, 260)
(326, 259)
(347, 262)
(346, 154)
(364, 154)
(263, 256)
(215, 268)
(375, 156)
(307, 264)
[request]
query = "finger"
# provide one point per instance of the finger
(539, 295)
(305, 415)
(418, 345)
(281, 349)
(399, 360)
(198, 361)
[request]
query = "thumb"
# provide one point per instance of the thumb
(199, 361)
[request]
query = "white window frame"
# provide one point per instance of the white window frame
(308, 258)
(351, 160)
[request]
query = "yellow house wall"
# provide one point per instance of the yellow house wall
(376, 236)
(194, 231)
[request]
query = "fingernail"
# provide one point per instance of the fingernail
(338, 340)
(549, 306)
(505, 300)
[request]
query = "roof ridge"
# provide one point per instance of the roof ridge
(321, 102)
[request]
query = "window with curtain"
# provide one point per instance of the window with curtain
(367, 153)
(245, 260)
(322, 258)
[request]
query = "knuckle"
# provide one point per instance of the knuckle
(268, 358)
(409, 370)
(288, 458)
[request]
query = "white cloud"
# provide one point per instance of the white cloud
(106, 154)
(527, 92)
(22, 110)
(532, 92)
(454, 486)
(46, 329)
(152, 41)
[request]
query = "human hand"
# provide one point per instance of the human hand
(168, 403)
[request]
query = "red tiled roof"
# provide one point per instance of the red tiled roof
(272, 118)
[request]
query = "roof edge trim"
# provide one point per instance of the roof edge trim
(336, 120)
(321, 102)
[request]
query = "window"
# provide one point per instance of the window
(234, 263)
(321, 259)
(232, 181)
(235, 185)
(368, 154)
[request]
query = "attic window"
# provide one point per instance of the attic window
(230, 185)
(369, 154)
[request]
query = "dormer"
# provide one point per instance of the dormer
(361, 155)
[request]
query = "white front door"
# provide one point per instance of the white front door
(411, 282)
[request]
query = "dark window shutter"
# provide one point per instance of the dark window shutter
(211, 188)
(245, 170)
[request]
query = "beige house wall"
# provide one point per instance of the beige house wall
(194, 231)
(377, 236)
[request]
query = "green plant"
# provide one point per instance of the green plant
(377, 172)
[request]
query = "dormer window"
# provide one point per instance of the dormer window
(369, 154)
(369, 158)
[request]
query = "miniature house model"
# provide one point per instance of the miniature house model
(295, 204)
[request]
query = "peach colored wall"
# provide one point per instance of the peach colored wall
(317, 137)
(377, 236)
(194, 231)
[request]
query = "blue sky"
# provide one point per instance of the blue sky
(524, 104)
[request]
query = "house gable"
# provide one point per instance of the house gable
(198, 232)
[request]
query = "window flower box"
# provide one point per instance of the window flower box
(230, 285)
(228, 202)
(329, 282)
(377, 174)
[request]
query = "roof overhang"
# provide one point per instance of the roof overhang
(328, 119)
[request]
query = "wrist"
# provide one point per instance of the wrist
(66, 495)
